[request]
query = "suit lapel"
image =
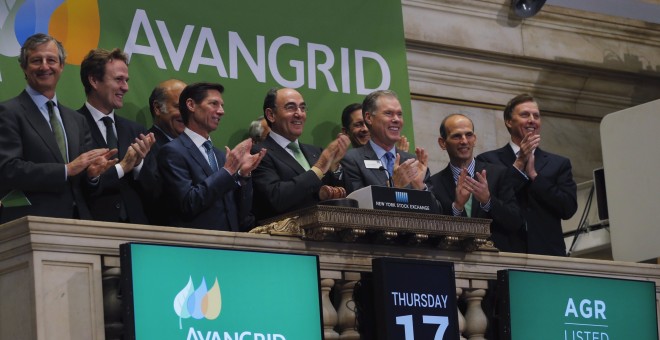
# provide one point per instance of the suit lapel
(124, 138)
(283, 156)
(71, 129)
(196, 154)
(40, 125)
(94, 128)
(448, 182)
(540, 159)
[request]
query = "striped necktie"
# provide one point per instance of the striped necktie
(58, 130)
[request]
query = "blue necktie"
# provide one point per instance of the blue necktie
(389, 163)
(211, 155)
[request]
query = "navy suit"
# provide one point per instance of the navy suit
(161, 138)
(551, 197)
(281, 184)
(31, 161)
(356, 174)
(507, 225)
(105, 203)
(199, 197)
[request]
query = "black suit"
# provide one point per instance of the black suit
(120, 199)
(507, 226)
(31, 161)
(551, 197)
(281, 184)
(199, 197)
(356, 174)
(155, 207)
(161, 137)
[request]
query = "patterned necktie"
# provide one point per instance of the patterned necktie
(58, 131)
(211, 155)
(110, 137)
(468, 204)
(298, 155)
(389, 163)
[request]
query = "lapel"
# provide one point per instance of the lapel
(40, 125)
(124, 138)
(311, 154)
(540, 159)
(196, 154)
(369, 154)
(72, 130)
(506, 155)
(447, 180)
(278, 153)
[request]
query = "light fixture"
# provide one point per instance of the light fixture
(526, 8)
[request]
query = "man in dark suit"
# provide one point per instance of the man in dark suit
(164, 108)
(379, 160)
(44, 147)
(122, 188)
(292, 173)
(207, 189)
(472, 188)
(543, 182)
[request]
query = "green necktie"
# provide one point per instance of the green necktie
(298, 155)
(468, 206)
(58, 131)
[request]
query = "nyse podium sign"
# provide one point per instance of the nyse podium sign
(415, 300)
(550, 306)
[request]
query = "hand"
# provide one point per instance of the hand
(142, 146)
(236, 156)
(404, 173)
(530, 169)
(422, 166)
(462, 192)
(403, 144)
(478, 187)
(250, 162)
(102, 163)
(332, 155)
(527, 146)
(131, 159)
(84, 160)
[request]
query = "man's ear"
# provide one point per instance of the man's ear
(270, 115)
(441, 142)
(93, 81)
(190, 104)
(367, 118)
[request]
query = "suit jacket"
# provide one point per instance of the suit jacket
(356, 174)
(113, 193)
(199, 197)
(154, 207)
(551, 197)
(161, 138)
(30, 160)
(507, 225)
(281, 184)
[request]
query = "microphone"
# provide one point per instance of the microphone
(389, 178)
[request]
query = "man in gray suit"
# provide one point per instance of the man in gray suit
(379, 162)
(44, 146)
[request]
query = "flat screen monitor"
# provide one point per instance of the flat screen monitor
(536, 305)
(172, 292)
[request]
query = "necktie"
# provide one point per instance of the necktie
(211, 155)
(468, 204)
(58, 131)
(389, 163)
(298, 155)
(110, 137)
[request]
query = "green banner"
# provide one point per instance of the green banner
(333, 52)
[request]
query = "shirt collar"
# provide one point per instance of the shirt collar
(97, 115)
(164, 133)
(380, 152)
(280, 140)
(39, 99)
(196, 138)
(456, 171)
(514, 147)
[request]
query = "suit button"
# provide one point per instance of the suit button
(117, 206)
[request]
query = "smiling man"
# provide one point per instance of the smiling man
(43, 144)
(164, 108)
(379, 159)
(122, 189)
(543, 182)
(475, 188)
(292, 173)
(206, 188)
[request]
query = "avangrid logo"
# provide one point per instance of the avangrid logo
(76, 23)
(198, 303)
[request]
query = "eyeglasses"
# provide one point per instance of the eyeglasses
(291, 107)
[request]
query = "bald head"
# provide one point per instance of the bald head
(164, 106)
